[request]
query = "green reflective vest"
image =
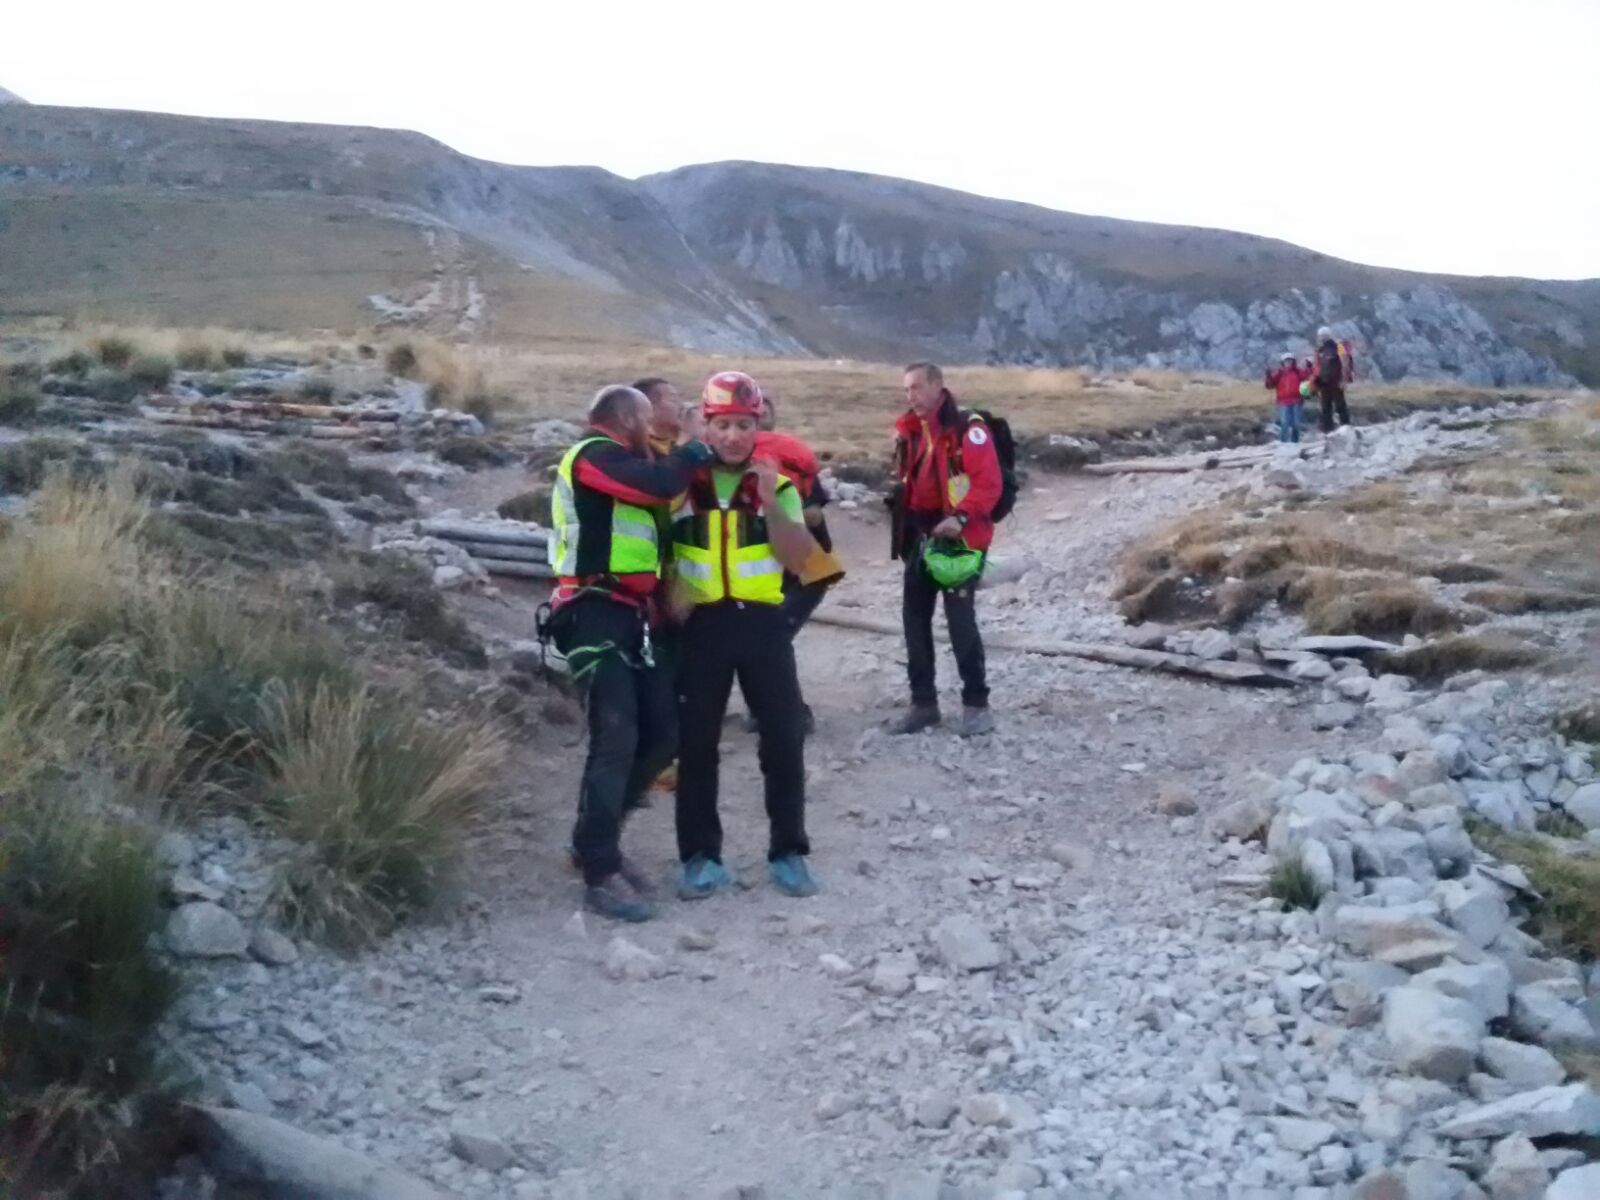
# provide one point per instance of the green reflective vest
(596, 534)
(724, 553)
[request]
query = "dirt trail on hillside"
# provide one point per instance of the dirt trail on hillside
(757, 1062)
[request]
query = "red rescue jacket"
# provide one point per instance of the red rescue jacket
(1287, 380)
(950, 443)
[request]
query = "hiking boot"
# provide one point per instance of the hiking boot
(791, 876)
(915, 719)
(975, 721)
(703, 877)
(616, 898)
(638, 879)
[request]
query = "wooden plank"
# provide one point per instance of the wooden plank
(1250, 674)
(509, 534)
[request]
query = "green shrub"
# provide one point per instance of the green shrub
(75, 362)
(405, 590)
(474, 453)
(153, 371)
(114, 350)
(235, 356)
(19, 400)
(532, 505)
(400, 359)
(1568, 917)
(1293, 884)
(380, 799)
(113, 387)
(79, 904)
(328, 471)
(1581, 724)
(483, 406)
(318, 390)
(25, 464)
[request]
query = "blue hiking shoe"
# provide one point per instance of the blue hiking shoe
(616, 898)
(791, 875)
(702, 877)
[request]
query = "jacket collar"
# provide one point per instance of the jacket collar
(946, 416)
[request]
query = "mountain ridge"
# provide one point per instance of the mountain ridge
(751, 257)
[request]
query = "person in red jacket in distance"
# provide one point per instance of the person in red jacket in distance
(1285, 379)
(949, 482)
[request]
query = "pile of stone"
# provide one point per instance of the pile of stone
(1425, 924)
(848, 496)
(449, 564)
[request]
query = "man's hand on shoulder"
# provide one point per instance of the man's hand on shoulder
(696, 453)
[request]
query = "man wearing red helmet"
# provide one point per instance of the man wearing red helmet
(739, 529)
(607, 547)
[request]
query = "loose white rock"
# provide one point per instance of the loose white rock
(205, 930)
(1433, 1035)
(1572, 1110)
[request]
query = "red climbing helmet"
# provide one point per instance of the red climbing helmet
(730, 394)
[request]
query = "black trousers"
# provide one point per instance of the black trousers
(632, 715)
(1333, 403)
(750, 642)
(919, 598)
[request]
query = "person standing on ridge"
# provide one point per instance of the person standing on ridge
(1331, 380)
(1286, 379)
(739, 529)
(949, 481)
(609, 512)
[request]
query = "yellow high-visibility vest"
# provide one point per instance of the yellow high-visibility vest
(724, 553)
(609, 537)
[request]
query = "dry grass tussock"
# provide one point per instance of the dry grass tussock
(1452, 543)
(845, 407)
(456, 376)
(133, 691)
(1568, 916)
(193, 348)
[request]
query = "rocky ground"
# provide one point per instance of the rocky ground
(1042, 966)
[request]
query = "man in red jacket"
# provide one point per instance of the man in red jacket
(948, 484)
(1285, 379)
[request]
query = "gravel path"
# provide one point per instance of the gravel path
(1026, 976)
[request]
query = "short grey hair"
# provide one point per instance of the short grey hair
(930, 372)
(614, 402)
(1324, 334)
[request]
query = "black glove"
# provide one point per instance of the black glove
(696, 453)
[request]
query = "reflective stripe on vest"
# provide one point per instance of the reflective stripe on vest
(712, 564)
(634, 543)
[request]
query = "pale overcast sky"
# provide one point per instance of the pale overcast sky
(1413, 133)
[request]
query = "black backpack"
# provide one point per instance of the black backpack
(1005, 449)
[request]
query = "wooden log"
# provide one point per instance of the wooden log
(244, 424)
(509, 534)
(505, 551)
(1223, 460)
(1122, 656)
(525, 570)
